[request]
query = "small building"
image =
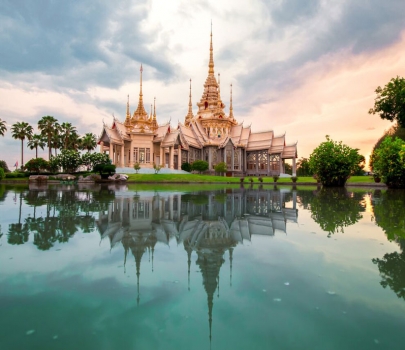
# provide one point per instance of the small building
(211, 135)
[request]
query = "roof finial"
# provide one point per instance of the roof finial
(128, 117)
(230, 106)
(189, 115)
(154, 108)
(151, 115)
(219, 90)
(211, 63)
(140, 112)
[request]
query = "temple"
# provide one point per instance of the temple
(210, 134)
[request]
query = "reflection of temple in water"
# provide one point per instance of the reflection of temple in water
(209, 223)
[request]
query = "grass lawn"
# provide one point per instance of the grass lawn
(196, 178)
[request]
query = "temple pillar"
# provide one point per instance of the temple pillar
(111, 152)
(294, 167)
(171, 158)
(162, 155)
(101, 147)
(131, 156)
(122, 155)
(281, 165)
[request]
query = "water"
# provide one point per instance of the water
(155, 267)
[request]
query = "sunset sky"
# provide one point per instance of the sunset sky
(304, 68)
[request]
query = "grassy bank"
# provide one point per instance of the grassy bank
(196, 178)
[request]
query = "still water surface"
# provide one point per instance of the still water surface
(224, 268)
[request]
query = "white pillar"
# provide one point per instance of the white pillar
(101, 147)
(111, 155)
(122, 155)
(294, 167)
(171, 158)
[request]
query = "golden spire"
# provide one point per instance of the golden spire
(219, 90)
(128, 117)
(150, 116)
(230, 106)
(189, 115)
(211, 64)
(140, 111)
(154, 108)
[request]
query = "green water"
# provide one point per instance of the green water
(227, 268)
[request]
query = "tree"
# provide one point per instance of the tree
(390, 101)
(137, 167)
(220, 168)
(35, 142)
(69, 160)
(199, 165)
(3, 165)
(333, 162)
(92, 159)
(3, 127)
(88, 142)
(389, 162)
(186, 167)
(47, 126)
(67, 134)
(359, 170)
(303, 168)
(21, 131)
(35, 165)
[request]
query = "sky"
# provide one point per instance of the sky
(303, 68)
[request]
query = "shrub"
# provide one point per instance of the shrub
(137, 167)
(4, 166)
(186, 167)
(389, 162)
(333, 162)
(69, 160)
(242, 179)
(260, 179)
(92, 159)
(36, 165)
(251, 179)
(157, 168)
(220, 168)
(104, 170)
(275, 178)
(2, 175)
(294, 178)
(199, 165)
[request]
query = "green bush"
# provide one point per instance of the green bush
(334, 162)
(4, 166)
(137, 167)
(186, 167)
(199, 165)
(221, 168)
(275, 178)
(35, 165)
(2, 175)
(389, 162)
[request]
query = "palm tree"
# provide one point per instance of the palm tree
(21, 131)
(3, 127)
(67, 130)
(36, 141)
(47, 126)
(56, 141)
(88, 142)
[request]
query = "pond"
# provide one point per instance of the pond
(189, 267)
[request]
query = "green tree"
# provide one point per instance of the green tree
(36, 141)
(88, 142)
(389, 162)
(3, 165)
(390, 101)
(137, 167)
(92, 159)
(21, 131)
(69, 160)
(186, 167)
(67, 134)
(2, 175)
(36, 165)
(303, 168)
(334, 209)
(47, 126)
(333, 162)
(220, 168)
(3, 127)
(199, 165)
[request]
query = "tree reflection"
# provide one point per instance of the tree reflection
(336, 208)
(388, 208)
(65, 211)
